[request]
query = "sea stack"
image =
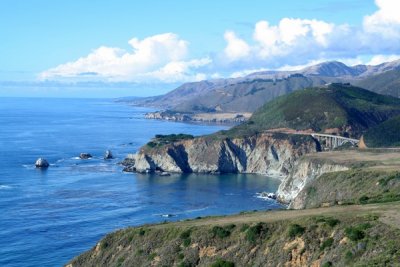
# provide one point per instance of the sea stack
(108, 154)
(42, 163)
(85, 156)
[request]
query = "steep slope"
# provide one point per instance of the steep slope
(332, 69)
(387, 83)
(248, 95)
(340, 236)
(258, 146)
(185, 92)
(339, 108)
(386, 134)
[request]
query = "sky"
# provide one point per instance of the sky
(117, 48)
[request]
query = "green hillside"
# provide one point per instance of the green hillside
(350, 109)
(386, 134)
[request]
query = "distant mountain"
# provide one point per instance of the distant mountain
(183, 93)
(332, 69)
(338, 108)
(387, 83)
(248, 93)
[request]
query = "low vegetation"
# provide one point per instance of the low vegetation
(338, 106)
(340, 236)
(160, 140)
(356, 186)
(386, 134)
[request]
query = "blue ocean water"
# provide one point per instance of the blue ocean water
(48, 217)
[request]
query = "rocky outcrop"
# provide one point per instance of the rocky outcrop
(85, 156)
(42, 163)
(267, 153)
(303, 173)
(108, 154)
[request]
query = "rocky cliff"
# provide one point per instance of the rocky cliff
(271, 154)
(267, 153)
(303, 173)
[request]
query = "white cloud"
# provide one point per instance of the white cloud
(236, 48)
(297, 42)
(155, 58)
(385, 21)
(379, 59)
(288, 45)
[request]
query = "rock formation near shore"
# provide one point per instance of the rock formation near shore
(85, 156)
(42, 163)
(264, 153)
(278, 155)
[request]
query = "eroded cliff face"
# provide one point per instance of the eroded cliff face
(282, 156)
(264, 153)
(303, 173)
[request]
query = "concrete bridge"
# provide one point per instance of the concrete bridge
(329, 141)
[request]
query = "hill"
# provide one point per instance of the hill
(246, 94)
(386, 134)
(337, 108)
(338, 236)
(387, 83)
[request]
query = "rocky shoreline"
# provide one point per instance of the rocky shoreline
(271, 154)
(199, 117)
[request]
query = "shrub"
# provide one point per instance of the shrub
(332, 222)
(363, 200)
(327, 243)
(104, 245)
(244, 228)
(354, 234)
(296, 230)
(327, 264)
(185, 234)
(348, 256)
(186, 242)
(256, 231)
(223, 263)
(142, 232)
(152, 256)
(185, 264)
(222, 232)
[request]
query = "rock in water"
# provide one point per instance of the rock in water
(41, 163)
(108, 155)
(85, 156)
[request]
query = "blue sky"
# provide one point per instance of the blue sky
(178, 41)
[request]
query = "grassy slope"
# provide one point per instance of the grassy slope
(350, 108)
(373, 177)
(353, 186)
(387, 83)
(346, 236)
(386, 134)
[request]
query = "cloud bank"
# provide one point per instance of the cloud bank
(291, 43)
(298, 41)
(160, 58)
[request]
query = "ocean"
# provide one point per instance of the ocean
(49, 216)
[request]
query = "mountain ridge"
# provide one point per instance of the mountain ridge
(246, 94)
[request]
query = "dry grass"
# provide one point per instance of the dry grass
(389, 212)
(377, 159)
